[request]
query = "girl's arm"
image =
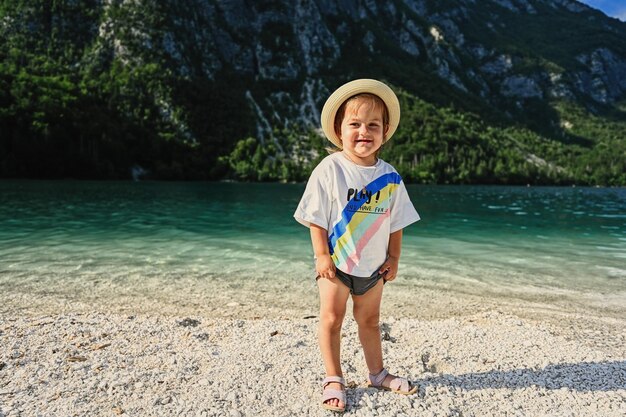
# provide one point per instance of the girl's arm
(393, 256)
(324, 265)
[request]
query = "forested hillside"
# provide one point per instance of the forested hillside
(506, 91)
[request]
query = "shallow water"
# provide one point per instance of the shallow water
(475, 239)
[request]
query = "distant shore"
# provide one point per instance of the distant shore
(235, 352)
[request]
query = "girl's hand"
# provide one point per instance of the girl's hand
(325, 267)
(391, 266)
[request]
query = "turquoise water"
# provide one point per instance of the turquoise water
(471, 238)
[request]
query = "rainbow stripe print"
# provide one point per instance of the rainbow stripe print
(362, 217)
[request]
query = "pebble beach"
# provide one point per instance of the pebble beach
(234, 351)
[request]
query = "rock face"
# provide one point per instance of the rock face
(518, 86)
(296, 41)
(303, 49)
(604, 78)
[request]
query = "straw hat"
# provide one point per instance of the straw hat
(353, 88)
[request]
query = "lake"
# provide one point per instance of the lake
(60, 237)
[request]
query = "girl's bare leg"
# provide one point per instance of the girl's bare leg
(333, 297)
(367, 315)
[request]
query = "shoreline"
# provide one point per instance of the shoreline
(288, 298)
(236, 352)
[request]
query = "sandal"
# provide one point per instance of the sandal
(398, 385)
(330, 393)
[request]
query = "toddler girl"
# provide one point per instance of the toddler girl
(356, 206)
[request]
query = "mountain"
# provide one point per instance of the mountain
(494, 91)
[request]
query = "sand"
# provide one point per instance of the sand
(186, 350)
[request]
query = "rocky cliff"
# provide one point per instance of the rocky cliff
(503, 53)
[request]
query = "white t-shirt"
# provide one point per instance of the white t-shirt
(359, 207)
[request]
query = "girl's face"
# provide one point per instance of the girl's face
(362, 131)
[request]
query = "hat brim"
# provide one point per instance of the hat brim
(336, 99)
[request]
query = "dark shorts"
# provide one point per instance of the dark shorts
(359, 285)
